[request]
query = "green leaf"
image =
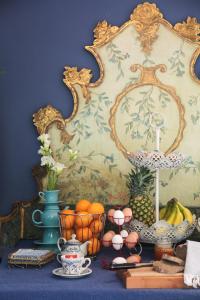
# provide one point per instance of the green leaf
(91, 153)
(194, 120)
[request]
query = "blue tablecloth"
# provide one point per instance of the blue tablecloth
(32, 283)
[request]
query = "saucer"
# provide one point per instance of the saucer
(45, 226)
(44, 244)
(59, 272)
(47, 203)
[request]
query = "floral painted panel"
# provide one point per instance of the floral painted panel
(138, 80)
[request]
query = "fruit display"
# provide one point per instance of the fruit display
(175, 213)
(86, 221)
(140, 183)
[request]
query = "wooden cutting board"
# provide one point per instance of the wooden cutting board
(147, 278)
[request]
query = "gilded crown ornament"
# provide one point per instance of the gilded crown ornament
(146, 19)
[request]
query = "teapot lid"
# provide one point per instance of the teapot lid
(73, 240)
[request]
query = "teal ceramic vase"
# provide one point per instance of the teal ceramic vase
(51, 235)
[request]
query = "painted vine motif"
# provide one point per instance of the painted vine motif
(116, 56)
(148, 61)
(138, 125)
(89, 175)
(177, 61)
(194, 104)
(94, 109)
(190, 166)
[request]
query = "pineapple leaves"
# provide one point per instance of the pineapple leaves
(140, 181)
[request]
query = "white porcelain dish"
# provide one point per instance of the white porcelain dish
(59, 272)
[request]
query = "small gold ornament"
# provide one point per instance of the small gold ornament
(82, 78)
(103, 32)
(146, 19)
(189, 29)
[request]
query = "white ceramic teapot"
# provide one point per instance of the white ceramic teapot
(72, 248)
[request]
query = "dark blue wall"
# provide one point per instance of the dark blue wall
(37, 39)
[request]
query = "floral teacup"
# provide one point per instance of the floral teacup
(73, 266)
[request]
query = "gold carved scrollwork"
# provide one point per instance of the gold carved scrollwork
(146, 19)
(148, 77)
(189, 29)
(47, 116)
(103, 32)
(82, 78)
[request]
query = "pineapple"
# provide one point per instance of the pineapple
(140, 183)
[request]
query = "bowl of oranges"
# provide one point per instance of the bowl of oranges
(87, 221)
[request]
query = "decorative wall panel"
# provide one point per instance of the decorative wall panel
(146, 67)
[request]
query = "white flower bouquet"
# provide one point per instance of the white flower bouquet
(54, 169)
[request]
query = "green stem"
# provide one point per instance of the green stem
(52, 180)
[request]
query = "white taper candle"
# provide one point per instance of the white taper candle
(158, 138)
(157, 174)
(157, 194)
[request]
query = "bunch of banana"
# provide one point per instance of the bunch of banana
(175, 213)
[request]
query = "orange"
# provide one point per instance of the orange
(67, 218)
(83, 205)
(83, 219)
(96, 226)
(67, 233)
(93, 246)
(96, 209)
(83, 234)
